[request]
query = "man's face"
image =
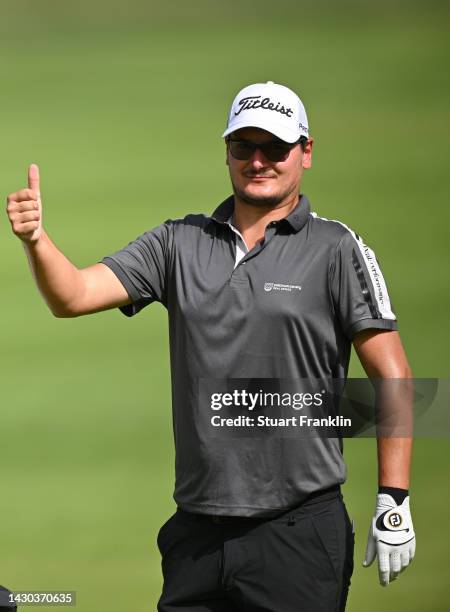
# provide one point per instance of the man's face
(261, 182)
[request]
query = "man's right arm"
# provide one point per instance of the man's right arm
(68, 291)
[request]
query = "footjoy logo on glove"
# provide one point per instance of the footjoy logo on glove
(391, 521)
(281, 287)
(394, 519)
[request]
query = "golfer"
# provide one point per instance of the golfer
(264, 289)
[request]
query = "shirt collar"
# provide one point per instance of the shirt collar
(296, 218)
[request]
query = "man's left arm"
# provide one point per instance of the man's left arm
(391, 535)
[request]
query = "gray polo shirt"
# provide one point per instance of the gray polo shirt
(286, 309)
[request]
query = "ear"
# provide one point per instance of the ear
(226, 153)
(307, 154)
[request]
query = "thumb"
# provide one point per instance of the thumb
(371, 550)
(33, 178)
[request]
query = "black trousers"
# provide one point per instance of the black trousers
(300, 561)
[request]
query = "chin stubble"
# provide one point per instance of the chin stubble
(272, 200)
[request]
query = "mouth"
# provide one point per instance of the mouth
(259, 177)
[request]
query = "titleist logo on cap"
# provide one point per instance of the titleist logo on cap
(265, 103)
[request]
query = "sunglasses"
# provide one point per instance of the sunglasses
(273, 150)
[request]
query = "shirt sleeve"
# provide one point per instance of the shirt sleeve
(358, 288)
(142, 268)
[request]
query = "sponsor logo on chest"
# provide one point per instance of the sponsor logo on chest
(281, 287)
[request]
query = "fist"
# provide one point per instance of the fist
(24, 209)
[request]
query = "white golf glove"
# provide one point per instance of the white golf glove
(391, 538)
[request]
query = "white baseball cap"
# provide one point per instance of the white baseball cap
(271, 107)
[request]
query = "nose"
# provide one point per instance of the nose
(258, 160)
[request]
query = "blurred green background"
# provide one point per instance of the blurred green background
(122, 106)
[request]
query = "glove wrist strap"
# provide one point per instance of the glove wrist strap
(398, 495)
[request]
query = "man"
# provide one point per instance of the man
(263, 290)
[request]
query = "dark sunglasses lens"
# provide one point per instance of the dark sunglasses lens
(240, 149)
(275, 151)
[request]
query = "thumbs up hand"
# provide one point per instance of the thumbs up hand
(24, 209)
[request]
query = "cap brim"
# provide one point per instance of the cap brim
(279, 131)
